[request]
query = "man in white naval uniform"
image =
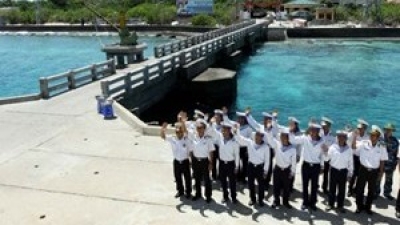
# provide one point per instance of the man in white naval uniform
(259, 158)
(285, 166)
(228, 161)
(329, 139)
(372, 157)
(313, 148)
(181, 148)
(340, 157)
(202, 155)
(362, 127)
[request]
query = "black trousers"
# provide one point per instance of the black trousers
(182, 168)
(214, 172)
(398, 202)
(353, 180)
(337, 182)
(256, 173)
(244, 157)
(201, 173)
(282, 184)
(325, 182)
(227, 172)
(366, 176)
(310, 173)
(269, 173)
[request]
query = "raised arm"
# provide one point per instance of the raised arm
(252, 122)
(163, 130)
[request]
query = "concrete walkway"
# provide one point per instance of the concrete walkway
(62, 164)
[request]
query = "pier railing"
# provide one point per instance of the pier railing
(149, 74)
(172, 47)
(53, 85)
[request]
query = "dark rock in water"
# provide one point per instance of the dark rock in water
(172, 36)
(158, 35)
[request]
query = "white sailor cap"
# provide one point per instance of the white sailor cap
(284, 130)
(362, 122)
(226, 124)
(200, 122)
(325, 121)
(341, 133)
(375, 130)
(241, 114)
(218, 111)
(268, 115)
(314, 125)
(293, 119)
(260, 131)
(198, 113)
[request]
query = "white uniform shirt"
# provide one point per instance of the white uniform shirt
(202, 146)
(180, 147)
(371, 156)
(258, 154)
(328, 139)
(285, 156)
(350, 140)
(229, 150)
(341, 158)
(312, 150)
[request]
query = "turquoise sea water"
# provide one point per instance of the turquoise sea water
(23, 59)
(343, 80)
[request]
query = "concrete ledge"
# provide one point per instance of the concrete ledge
(276, 34)
(19, 99)
(343, 32)
(134, 122)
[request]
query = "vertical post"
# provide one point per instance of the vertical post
(127, 81)
(44, 87)
(156, 52)
(182, 58)
(173, 65)
(146, 75)
(161, 68)
(105, 88)
(71, 80)
(112, 66)
(93, 72)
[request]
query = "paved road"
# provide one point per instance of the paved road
(61, 163)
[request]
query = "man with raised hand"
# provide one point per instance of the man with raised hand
(313, 163)
(362, 127)
(181, 148)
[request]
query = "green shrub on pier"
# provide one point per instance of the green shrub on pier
(203, 20)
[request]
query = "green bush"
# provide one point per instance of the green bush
(203, 20)
(349, 14)
(224, 14)
(390, 13)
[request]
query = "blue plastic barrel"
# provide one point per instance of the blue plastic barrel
(108, 111)
(100, 103)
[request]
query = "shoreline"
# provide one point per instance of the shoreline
(172, 35)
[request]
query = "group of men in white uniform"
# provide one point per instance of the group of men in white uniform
(248, 151)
